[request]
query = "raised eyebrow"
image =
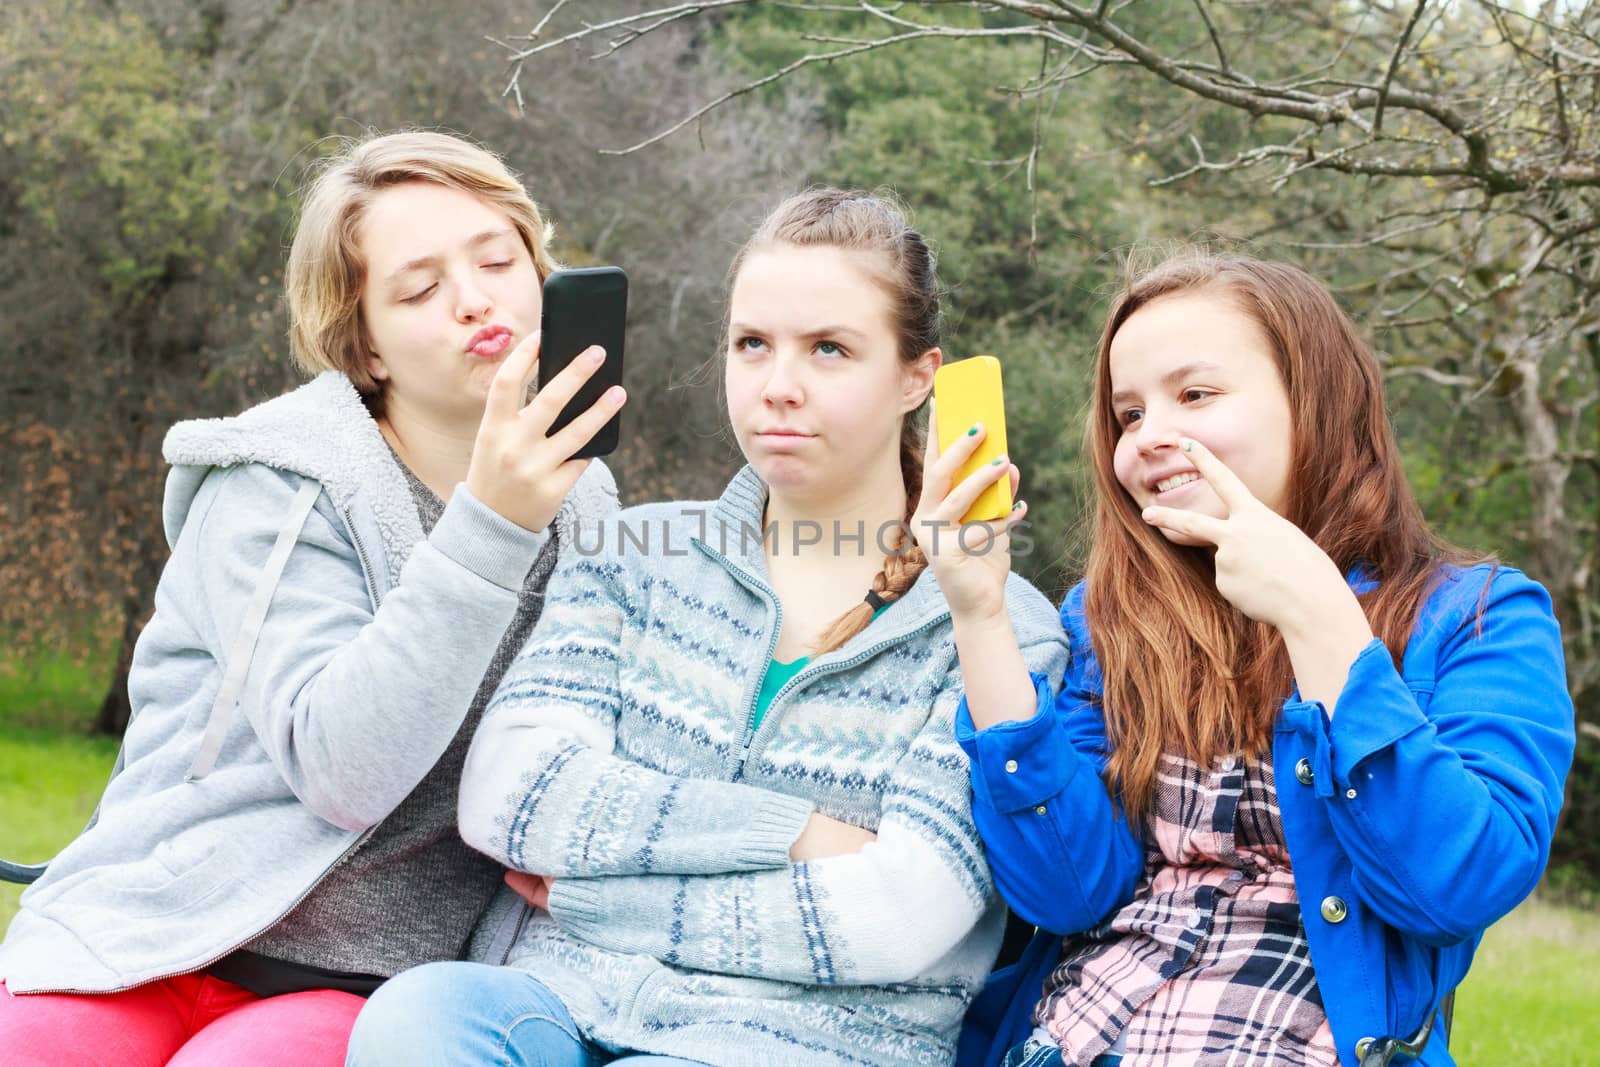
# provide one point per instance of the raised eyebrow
(427, 261)
(739, 328)
(822, 332)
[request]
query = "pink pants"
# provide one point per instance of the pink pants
(193, 1020)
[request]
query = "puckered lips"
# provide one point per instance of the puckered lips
(490, 341)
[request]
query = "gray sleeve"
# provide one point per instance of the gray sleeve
(354, 706)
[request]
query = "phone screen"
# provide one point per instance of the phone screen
(582, 307)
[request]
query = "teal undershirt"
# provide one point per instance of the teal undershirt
(778, 675)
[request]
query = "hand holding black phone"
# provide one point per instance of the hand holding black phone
(582, 307)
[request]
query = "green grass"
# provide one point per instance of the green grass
(52, 690)
(1533, 995)
(49, 784)
(1530, 1000)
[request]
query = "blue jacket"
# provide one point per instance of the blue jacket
(1415, 818)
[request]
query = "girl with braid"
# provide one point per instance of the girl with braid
(723, 770)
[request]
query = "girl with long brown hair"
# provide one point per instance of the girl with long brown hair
(1305, 753)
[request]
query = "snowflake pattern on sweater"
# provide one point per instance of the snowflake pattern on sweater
(618, 757)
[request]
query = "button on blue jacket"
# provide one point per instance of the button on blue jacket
(1425, 806)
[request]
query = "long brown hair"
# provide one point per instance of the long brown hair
(905, 268)
(1184, 671)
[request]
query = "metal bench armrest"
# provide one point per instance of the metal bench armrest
(21, 873)
(1380, 1052)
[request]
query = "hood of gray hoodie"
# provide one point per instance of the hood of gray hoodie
(323, 431)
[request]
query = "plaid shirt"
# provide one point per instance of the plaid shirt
(1208, 964)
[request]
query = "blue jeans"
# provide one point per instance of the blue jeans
(475, 1015)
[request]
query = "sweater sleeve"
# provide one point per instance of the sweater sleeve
(1445, 802)
(354, 706)
(543, 790)
(1062, 853)
(885, 914)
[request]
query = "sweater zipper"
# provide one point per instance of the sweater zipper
(815, 671)
(845, 664)
(516, 934)
(366, 562)
(752, 692)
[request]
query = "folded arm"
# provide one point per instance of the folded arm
(543, 790)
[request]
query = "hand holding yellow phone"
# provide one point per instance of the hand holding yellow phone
(968, 392)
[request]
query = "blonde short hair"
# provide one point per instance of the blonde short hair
(326, 273)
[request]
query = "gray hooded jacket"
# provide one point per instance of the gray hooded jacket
(310, 658)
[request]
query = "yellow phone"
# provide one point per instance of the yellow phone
(968, 392)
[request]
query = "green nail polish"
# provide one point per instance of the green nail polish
(1017, 506)
(973, 430)
(997, 462)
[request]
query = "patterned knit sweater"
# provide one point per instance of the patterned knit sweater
(617, 756)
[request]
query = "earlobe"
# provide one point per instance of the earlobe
(919, 378)
(374, 362)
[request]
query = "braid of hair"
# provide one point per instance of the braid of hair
(901, 567)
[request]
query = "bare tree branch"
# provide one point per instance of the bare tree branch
(1344, 102)
(1471, 130)
(1216, 38)
(810, 60)
(1394, 65)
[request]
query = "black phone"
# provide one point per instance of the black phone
(582, 307)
